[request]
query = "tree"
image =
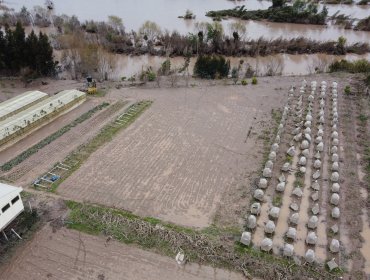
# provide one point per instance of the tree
(150, 30)
(341, 45)
(238, 30)
(116, 23)
(33, 54)
(211, 67)
(277, 3)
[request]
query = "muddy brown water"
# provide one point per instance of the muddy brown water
(126, 66)
(165, 13)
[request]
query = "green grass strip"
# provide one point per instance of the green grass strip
(46, 141)
(106, 134)
(198, 246)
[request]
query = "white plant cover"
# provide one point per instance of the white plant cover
(266, 244)
(315, 185)
(303, 161)
(335, 157)
(274, 212)
(270, 227)
(317, 164)
(307, 124)
(294, 218)
(291, 151)
(335, 188)
(269, 164)
(335, 142)
(280, 187)
(316, 175)
(277, 139)
(310, 256)
(315, 209)
(320, 132)
(305, 144)
(318, 139)
(302, 169)
(275, 147)
(251, 222)
(335, 213)
(312, 222)
(320, 147)
(285, 167)
(291, 233)
(256, 208)
(297, 192)
(335, 166)
(334, 177)
(267, 173)
(282, 178)
(334, 149)
(311, 238)
(334, 246)
(334, 199)
(258, 194)
(306, 153)
(262, 184)
(246, 238)
(288, 250)
(307, 130)
(317, 155)
(272, 156)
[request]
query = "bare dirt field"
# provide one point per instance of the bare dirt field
(67, 254)
(178, 160)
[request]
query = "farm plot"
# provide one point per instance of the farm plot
(67, 254)
(45, 158)
(178, 159)
(297, 206)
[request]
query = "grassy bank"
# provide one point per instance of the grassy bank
(199, 246)
(82, 153)
(46, 141)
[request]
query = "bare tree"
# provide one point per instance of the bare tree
(117, 24)
(107, 63)
(150, 30)
(319, 65)
(274, 66)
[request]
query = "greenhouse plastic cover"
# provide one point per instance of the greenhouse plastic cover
(16, 103)
(37, 111)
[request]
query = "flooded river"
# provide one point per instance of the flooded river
(165, 13)
(288, 64)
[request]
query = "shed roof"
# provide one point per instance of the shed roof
(16, 103)
(5, 190)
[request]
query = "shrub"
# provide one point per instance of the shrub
(358, 66)
(347, 90)
(254, 81)
(244, 82)
(211, 66)
(151, 76)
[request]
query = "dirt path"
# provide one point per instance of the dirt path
(67, 254)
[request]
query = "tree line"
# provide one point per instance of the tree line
(21, 54)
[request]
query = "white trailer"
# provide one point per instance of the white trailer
(11, 204)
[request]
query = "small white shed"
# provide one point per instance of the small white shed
(11, 204)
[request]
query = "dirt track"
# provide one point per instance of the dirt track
(69, 255)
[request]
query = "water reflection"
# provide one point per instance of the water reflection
(165, 13)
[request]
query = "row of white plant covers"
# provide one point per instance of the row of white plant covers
(19, 103)
(38, 114)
